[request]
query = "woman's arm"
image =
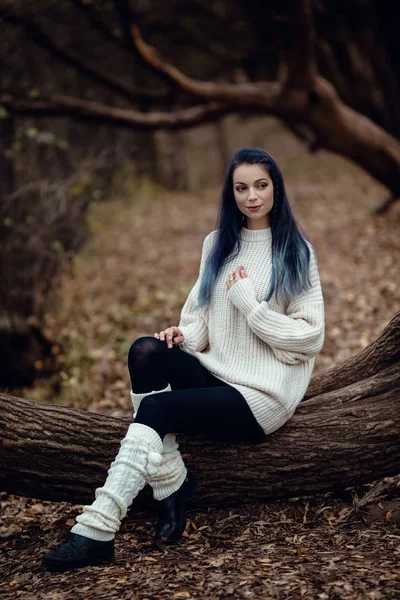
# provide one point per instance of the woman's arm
(296, 336)
(194, 323)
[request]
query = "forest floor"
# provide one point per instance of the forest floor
(131, 279)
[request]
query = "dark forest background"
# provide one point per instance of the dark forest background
(84, 112)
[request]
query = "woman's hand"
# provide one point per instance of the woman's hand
(171, 335)
(239, 273)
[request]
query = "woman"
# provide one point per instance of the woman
(235, 368)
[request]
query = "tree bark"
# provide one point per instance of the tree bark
(336, 439)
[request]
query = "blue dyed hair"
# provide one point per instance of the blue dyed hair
(290, 253)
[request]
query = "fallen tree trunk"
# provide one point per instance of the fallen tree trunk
(336, 439)
(382, 353)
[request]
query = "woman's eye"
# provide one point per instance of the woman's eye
(262, 185)
(240, 189)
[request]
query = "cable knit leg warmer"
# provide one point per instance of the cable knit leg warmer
(138, 458)
(172, 472)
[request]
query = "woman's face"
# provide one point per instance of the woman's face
(252, 187)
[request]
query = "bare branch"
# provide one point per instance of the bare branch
(127, 19)
(243, 93)
(343, 130)
(78, 108)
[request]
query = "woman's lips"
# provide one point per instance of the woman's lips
(254, 208)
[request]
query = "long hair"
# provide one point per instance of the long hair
(290, 253)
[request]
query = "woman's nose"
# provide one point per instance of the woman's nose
(252, 194)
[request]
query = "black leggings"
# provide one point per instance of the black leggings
(199, 402)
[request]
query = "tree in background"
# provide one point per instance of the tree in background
(327, 71)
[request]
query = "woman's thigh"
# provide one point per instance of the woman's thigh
(152, 365)
(220, 412)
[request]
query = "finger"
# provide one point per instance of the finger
(239, 271)
(168, 337)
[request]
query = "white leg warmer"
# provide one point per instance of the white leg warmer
(138, 458)
(172, 471)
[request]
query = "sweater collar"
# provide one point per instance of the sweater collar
(256, 235)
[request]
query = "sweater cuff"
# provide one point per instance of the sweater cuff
(186, 345)
(243, 295)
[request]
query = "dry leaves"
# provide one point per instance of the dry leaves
(251, 552)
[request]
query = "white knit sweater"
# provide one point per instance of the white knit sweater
(264, 350)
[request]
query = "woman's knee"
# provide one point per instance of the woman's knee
(143, 348)
(153, 404)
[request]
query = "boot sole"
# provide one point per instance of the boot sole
(54, 566)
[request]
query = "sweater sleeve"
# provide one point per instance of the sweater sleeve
(296, 336)
(194, 322)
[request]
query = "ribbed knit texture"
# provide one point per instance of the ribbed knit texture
(172, 471)
(140, 449)
(266, 350)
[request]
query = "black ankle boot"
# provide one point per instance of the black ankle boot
(78, 551)
(171, 520)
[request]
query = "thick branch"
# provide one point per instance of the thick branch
(339, 128)
(245, 92)
(127, 18)
(91, 110)
(382, 353)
